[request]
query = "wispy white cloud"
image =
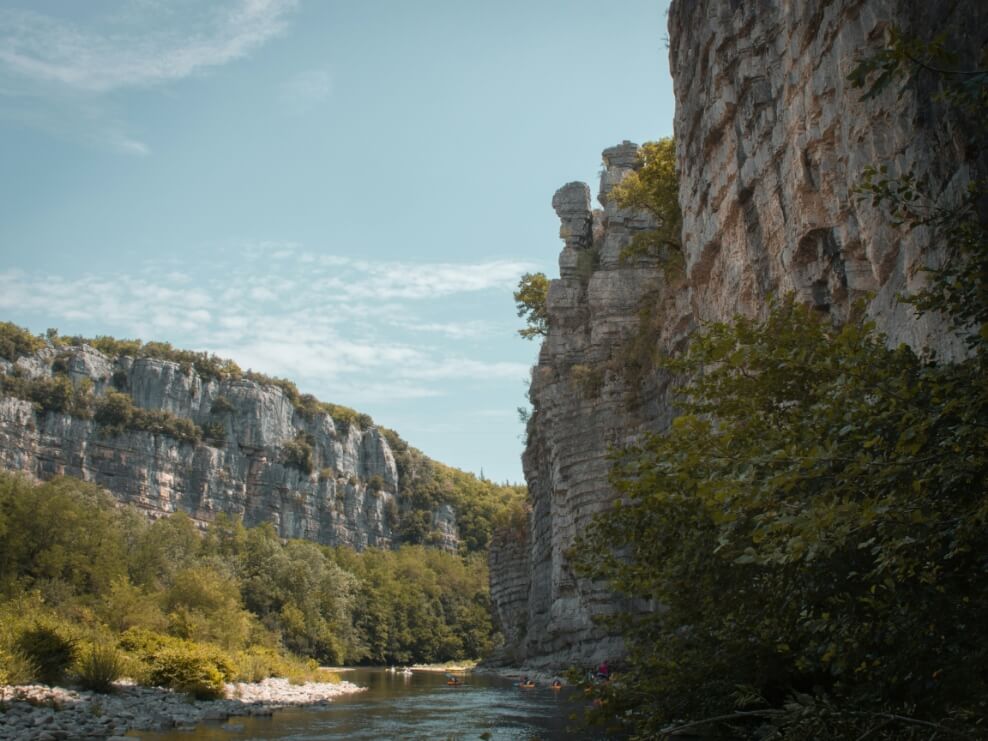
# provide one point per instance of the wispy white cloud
(139, 54)
(454, 330)
(58, 75)
(362, 339)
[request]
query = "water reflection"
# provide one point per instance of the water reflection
(419, 706)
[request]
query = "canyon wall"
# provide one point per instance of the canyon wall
(350, 494)
(771, 141)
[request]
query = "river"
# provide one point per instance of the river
(421, 706)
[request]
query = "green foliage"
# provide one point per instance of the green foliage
(589, 380)
(116, 412)
(804, 523)
(16, 668)
(188, 668)
(530, 300)
(99, 666)
(48, 647)
(427, 484)
(299, 453)
(221, 405)
(16, 342)
(240, 600)
(214, 433)
(55, 394)
(204, 603)
(654, 187)
(418, 605)
(64, 531)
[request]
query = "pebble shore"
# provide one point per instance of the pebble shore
(43, 713)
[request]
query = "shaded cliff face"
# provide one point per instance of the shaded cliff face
(771, 141)
(349, 498)
(591, 391)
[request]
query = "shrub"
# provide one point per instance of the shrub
(221, 405)
(99, 666)
(114, 411)
(186, 667)
(299, 453)
(256, 664)
(49, 648)
(589, 380)
(214, 432)
(16, 342)
(198, 669)
(17, 668)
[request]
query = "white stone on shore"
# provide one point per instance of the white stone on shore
(38, 711)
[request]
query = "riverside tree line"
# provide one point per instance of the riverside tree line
(89, 589)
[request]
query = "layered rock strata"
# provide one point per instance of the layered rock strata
(590, 392)
(771, 142)
(350, 496)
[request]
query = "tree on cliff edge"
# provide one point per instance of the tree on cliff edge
(530, 299)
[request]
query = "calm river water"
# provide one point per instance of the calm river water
(417, 707)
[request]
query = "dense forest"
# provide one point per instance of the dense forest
(95, 590)
(812, 531)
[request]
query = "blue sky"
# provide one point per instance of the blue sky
(343, 193)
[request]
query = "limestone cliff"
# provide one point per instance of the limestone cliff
(771, 141)
(591, 390)
(346, 493)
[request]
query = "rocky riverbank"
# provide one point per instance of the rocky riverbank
(44, 713)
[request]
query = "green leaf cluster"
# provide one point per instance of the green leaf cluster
(299, 453)
(16, 342)
(530, 300)
(814, 521)
(55, 394)
(116, 412)
(654, 187)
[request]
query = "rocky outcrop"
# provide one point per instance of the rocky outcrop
(348, 493)
(590, 392)
(771, 141)
(510, 580)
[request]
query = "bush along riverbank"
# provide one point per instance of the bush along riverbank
(47, 713)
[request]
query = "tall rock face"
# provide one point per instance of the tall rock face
(771, 141)
(348, 496)
(590, 392)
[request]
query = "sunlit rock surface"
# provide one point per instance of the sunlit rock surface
(341, 502)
